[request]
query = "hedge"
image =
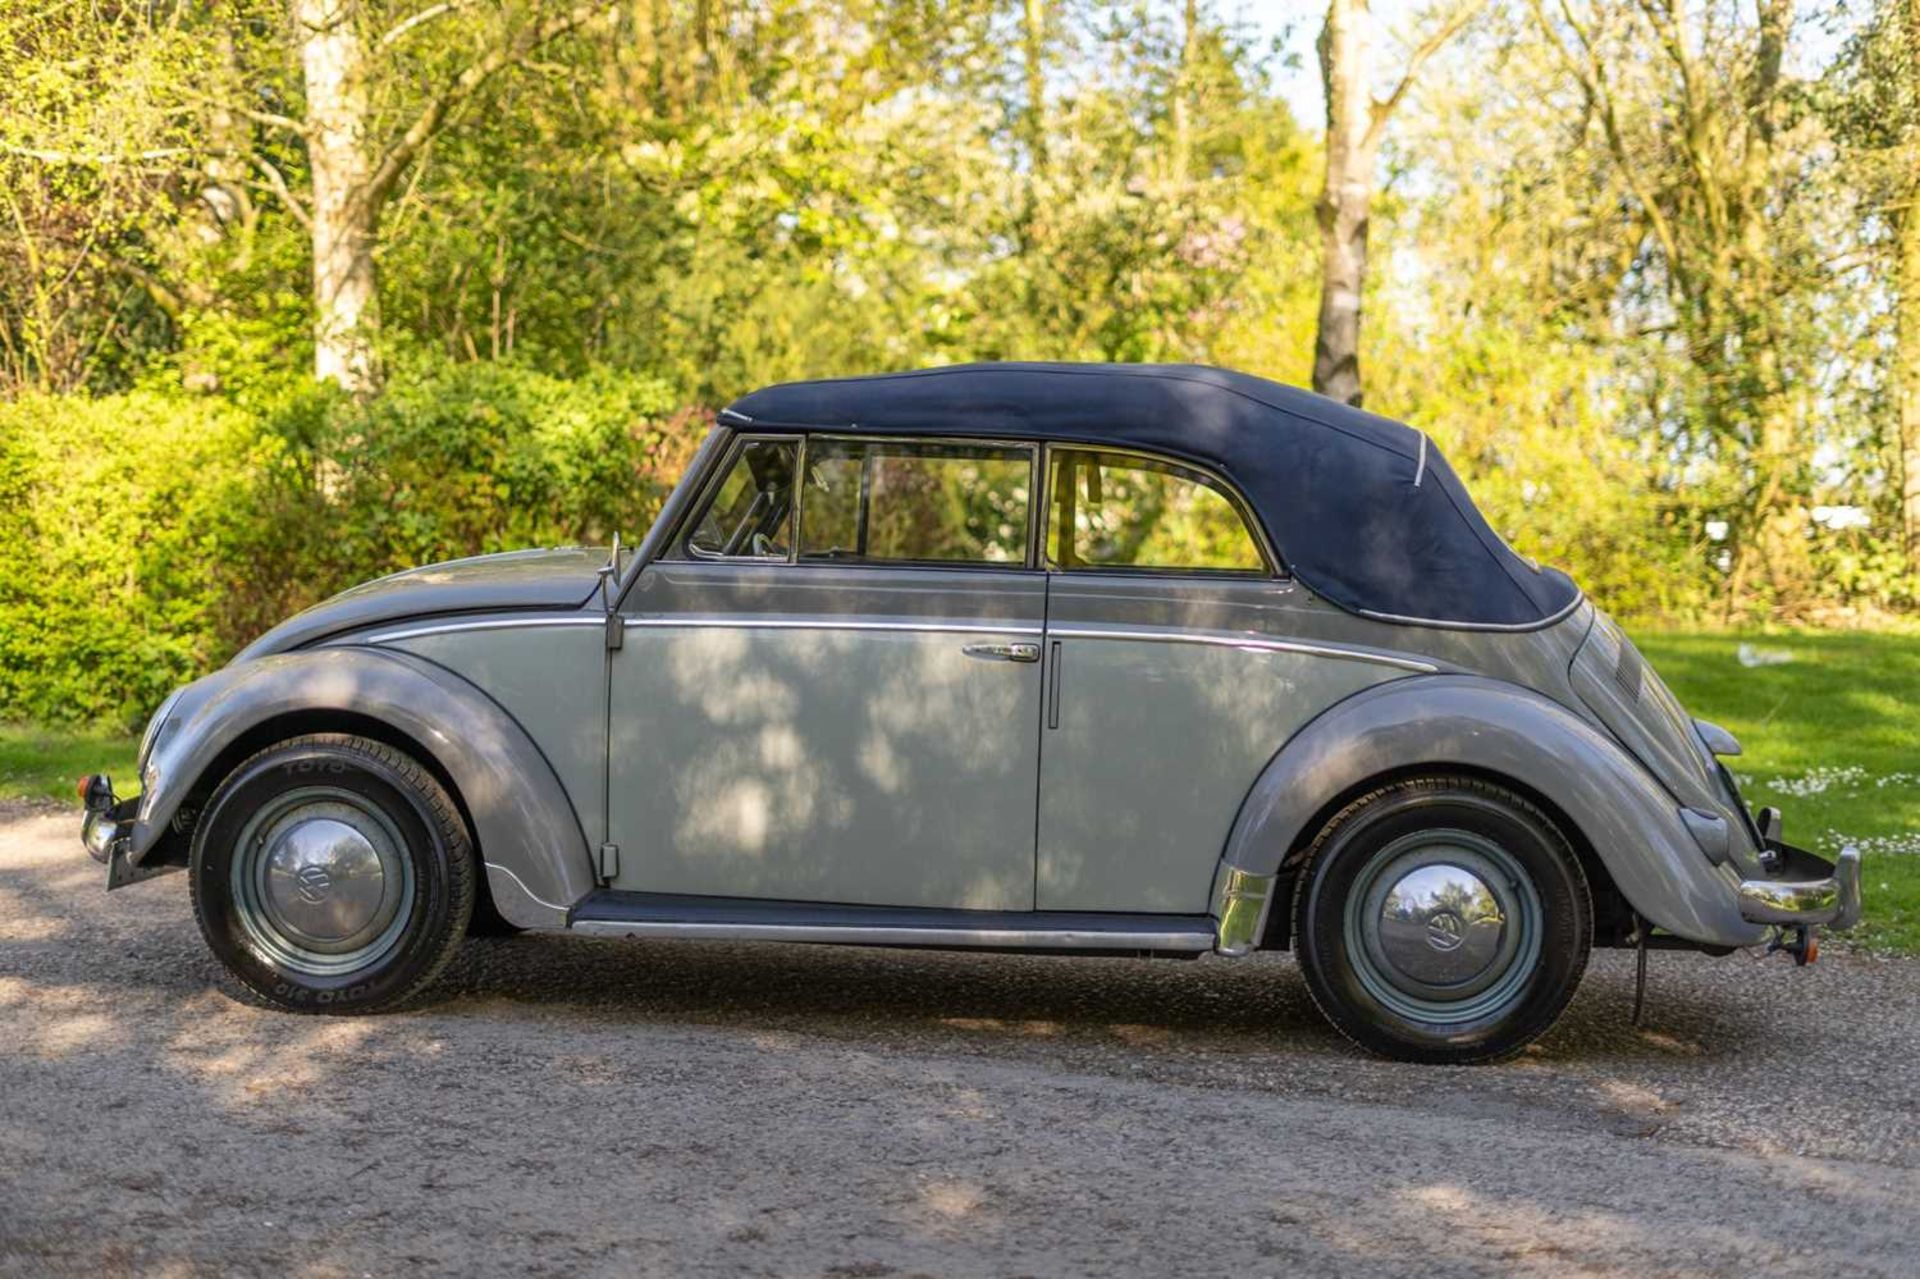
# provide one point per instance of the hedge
(145, 537)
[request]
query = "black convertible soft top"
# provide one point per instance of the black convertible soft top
(1364, 510)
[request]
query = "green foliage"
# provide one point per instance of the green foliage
(713, 194)
(123, 521)
(146, 536)
(1830, 739)
(44, 763)
(472, 458)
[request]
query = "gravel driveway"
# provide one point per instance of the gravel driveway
(574, 1106)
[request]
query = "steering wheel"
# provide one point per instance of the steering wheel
(763, 546)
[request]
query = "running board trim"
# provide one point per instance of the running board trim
(1184, 942)
(647, 915)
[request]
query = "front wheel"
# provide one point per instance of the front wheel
(332, 873)
(1442, 920)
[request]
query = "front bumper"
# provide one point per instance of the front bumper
(106, 831)
(1805, 890)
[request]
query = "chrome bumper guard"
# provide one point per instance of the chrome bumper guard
(1241, 902)
(104, 826)
(1808, 890)
(105, 830)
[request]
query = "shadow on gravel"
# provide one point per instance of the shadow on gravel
(1257, 1006)
(565, 1105)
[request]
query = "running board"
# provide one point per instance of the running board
(618, 914)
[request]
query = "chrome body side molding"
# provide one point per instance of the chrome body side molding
(1244, 641)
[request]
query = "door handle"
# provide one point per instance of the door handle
(1000, 651)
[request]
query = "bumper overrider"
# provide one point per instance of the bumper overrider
(107, 828)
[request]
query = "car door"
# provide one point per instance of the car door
(829, 690)
(1172, 679)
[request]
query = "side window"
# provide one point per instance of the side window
(1115, 510)
(750, 516)
(878, 501)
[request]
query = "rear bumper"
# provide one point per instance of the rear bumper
(1804, 890)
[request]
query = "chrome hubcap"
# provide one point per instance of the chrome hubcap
(322, 881)
(1443, 926)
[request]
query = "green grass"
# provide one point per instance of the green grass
(44, 762)
(1832, 738)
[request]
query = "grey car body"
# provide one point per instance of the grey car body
(669, 743)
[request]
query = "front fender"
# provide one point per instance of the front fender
(530, 839)
(1632, 823)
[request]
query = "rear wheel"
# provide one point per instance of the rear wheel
(332, 874)
(1442, 920)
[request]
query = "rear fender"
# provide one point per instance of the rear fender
(1635, 826)
(529, 837)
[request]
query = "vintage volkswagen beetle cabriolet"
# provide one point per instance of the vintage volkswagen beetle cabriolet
(1096, 660)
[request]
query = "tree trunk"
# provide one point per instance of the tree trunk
(1033, 120)
(1346, 199)
(1183, 89)
(1907, 319)
(1907, 363)
(345, 215)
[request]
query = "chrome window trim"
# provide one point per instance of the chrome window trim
(710, 493)
(1257, 643)
(1274, 568)
(1036, 471)
(670, 521)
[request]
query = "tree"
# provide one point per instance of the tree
(1707, 154)
(1356, 122)
(92, 158)
(1876, 116)
(354, 173)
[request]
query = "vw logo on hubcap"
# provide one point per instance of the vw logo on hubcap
(314, 884)
(1445, 931)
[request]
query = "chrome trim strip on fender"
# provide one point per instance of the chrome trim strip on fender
(521, 884)
(1191, 941)
(1258, 643)
(1579, 598)
(595, 618)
